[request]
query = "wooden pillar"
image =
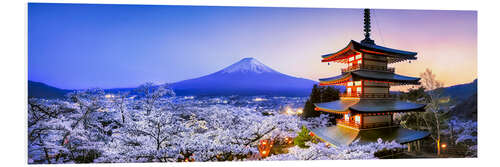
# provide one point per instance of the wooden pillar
(418, 145)
(361, 122)
(392, 117)
(409, 146)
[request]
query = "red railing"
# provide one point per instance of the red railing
(350, 94)
(368, 95)
(348, 123)
(368, 67)
(364, 126)
(378, 95)
(376, 124)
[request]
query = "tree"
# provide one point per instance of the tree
(46, 131)
(150, 95)
(120, 103)
(323, 151)
(329, 93)
(434, 117)
(414, 120)
(318, 95)
(415, 95)
(303, 137)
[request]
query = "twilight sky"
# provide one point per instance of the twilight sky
(75, 46)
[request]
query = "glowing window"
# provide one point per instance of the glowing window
(348, 90)
(357, 83)
(350, 64)
(358, 89)
(359, 61)
(346, 117)
(349, 83)
(358, 56)
(351, 58)
(357, 119)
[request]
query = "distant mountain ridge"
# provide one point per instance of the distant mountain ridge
(41, 90)
(461, 92)
(246, 77)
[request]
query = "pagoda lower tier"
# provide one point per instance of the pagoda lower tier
(367, 120)
(343, 136)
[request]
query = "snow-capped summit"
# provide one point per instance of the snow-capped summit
(246, 65)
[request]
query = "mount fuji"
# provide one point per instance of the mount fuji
(246, 77)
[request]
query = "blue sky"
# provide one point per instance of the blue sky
(76, 46)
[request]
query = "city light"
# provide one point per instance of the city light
(258, 99)
(299, 111)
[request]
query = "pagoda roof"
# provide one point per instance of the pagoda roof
(342, 136)
(337, 106)
(369, 106)
(393, 55)
(371, 75)
(386, 105)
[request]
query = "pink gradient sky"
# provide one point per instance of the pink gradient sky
(446, 42)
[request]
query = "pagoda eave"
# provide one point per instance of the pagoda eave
(391, 78)
(369, 106)
(354, 47)
(337, 106)
(343, 136)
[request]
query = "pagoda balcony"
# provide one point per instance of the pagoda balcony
(353, 124)
(369, 95)
(368, 67)
(348, 123)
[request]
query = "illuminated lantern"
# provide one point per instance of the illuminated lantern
(265, 147)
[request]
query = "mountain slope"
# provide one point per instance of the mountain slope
(461, 92)
(41, 90)
(246, 77)
(467, 109)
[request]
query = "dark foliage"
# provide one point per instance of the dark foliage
(304, 137)
(387, 153)
(319, 95)
(467, 109)
(414, 95)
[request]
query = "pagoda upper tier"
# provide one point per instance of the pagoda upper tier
(354, 48)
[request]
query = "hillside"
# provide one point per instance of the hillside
(41, 90)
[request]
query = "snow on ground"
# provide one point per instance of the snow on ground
(91, 126)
